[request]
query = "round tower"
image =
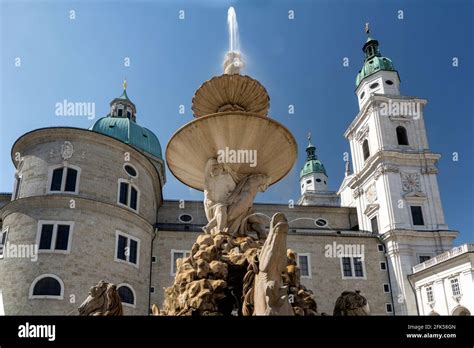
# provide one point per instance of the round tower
(85, 210)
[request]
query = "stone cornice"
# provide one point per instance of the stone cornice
(389, 161)
(371, 104)
(62, 201)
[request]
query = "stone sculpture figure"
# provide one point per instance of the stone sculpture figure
(228, 199)
(264, 293)
(103, 300)
(240, 213)
(351, 303)
(218, 186)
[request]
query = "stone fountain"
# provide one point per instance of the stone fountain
(231, 151)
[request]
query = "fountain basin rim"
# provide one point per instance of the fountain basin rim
(290, 146)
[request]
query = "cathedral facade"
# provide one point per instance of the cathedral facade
(89, 202)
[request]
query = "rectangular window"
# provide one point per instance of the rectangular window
(417, 215)
(358, 269)
(133, 251)
(121, 245)
(455, 288)
(429, 294)
(54, 236)
(175, 255)
(383, 266)
(127, 248)
(46, 237)
(352, 267)
(128, 195)
(62, 237)
(346, 267)
(71, 178)
(120, 112)
(64, 179)
(123, 193)
(388, 308)
(57, 179)
(386, 288)
(380, 247)
(424, 258)
(3, 242)
(375, 225)
(133, 198)
(305, 265)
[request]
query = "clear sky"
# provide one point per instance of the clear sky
(299, 61)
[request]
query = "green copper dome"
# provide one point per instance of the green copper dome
(129, 132)
(312, 164)
(120, 124)
(373, 61)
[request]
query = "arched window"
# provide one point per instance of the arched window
(365, 149)
(47, 286)
(402, 136)
(127, 295)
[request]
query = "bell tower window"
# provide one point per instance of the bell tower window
(365, 149)
(119, 112)
(402, 136)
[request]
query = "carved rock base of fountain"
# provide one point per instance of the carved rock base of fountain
(211, 280)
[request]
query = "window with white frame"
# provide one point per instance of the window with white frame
(127, 294)
(429, 294)
(127, 248)
(388, 308)
(175, 255)
(386, 288)
(128, 194)
(383, 266)
(352, 267)
(47, 286)
(54, 236)
(3, 241)
(304, 263)
(64, 179)
(455, 288)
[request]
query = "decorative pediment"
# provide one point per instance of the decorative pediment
(414, 197)
(401, 118)
(371, 209)
(362, 134)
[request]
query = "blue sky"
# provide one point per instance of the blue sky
(299, 61)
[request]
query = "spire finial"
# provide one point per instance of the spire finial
(309, 137)
(367, 28)
(124, 84)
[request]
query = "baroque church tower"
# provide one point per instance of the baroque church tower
(394, 181)
(314, 181)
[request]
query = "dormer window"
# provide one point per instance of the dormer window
(119, 112)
